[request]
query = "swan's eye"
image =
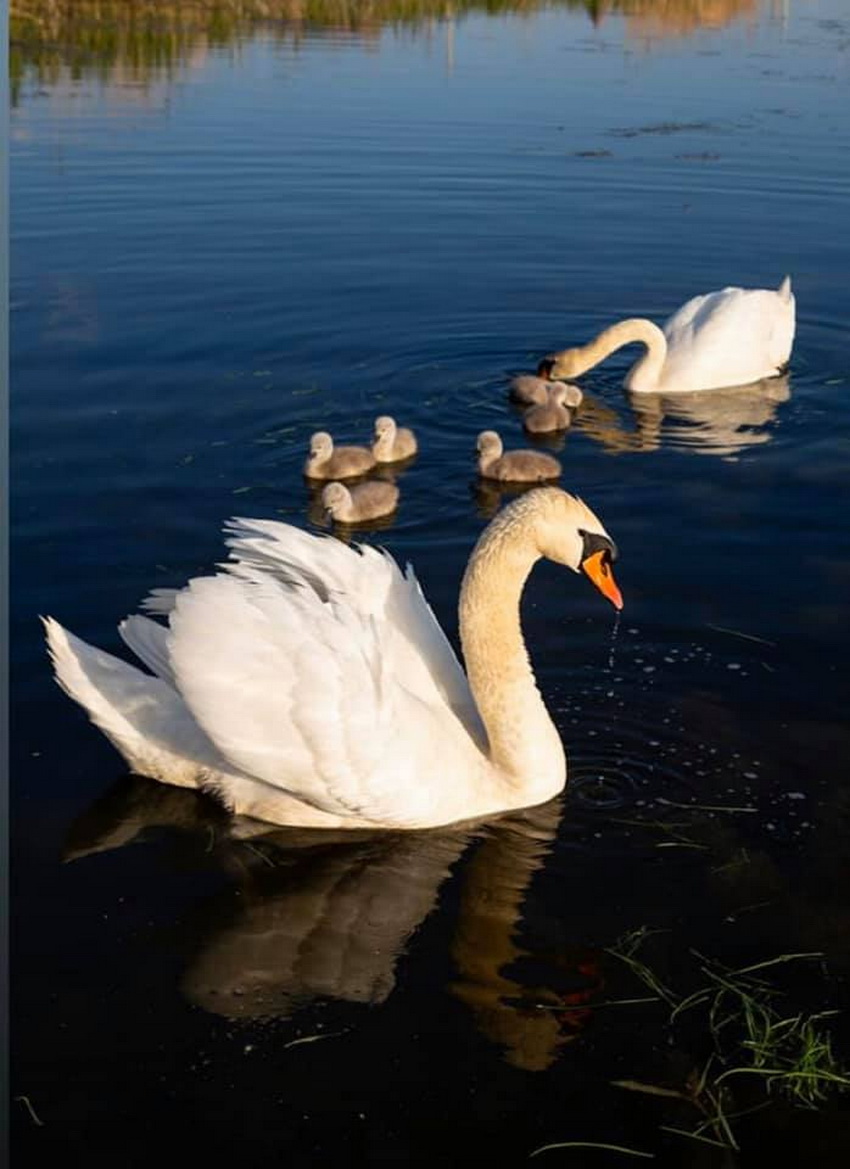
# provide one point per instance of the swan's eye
(594, 543)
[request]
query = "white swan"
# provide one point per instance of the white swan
(728, 338)
(309, 683)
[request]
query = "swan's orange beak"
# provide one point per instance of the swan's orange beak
(598, 568)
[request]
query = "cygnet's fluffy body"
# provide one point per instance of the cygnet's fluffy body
(513, 466)
(392, 443)
(361, 501)
(326, 461)
(533, 389)
(554, 414)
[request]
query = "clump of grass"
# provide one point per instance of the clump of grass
(791, 1055)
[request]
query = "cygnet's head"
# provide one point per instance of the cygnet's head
(385, 427)
(321, 445)
(489, 444)
(569, 533)
(335, 496)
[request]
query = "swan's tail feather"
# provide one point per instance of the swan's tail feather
(784, 289)
(86, 674)
(143, 717)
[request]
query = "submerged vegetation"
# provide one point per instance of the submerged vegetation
(734, 1049)
(130, 41)
(782, 1054)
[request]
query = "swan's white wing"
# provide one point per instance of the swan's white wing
(149, 642)
(159, 601)
(311, 664)
(287, 686)
(414, 647)
(730, 337)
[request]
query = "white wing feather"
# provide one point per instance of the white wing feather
(149, 642)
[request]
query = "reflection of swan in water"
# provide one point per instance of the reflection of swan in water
(321, 914)
(717, 422)
(714, 422)
(529, 1020)
(329, 923)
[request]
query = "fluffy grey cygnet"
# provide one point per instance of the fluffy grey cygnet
(326, 461)
(533, 389)
(392, 443)
(554, 414)
(361, 501)
(513, 466)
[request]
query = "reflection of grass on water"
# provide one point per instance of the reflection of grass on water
(137, 38)
(787, 1055)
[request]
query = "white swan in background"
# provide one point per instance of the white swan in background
(309, 683)
(728, 338)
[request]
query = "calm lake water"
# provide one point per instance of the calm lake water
(220, 248)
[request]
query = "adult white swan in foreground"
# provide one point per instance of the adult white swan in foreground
(728, 338)
(309, 683)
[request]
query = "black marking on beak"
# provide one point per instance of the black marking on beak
(593, 543)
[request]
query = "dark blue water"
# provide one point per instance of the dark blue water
(286, 234)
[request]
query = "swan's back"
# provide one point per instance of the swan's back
(731, 337)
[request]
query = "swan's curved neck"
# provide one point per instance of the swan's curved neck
(524, 744)
(646, 371)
